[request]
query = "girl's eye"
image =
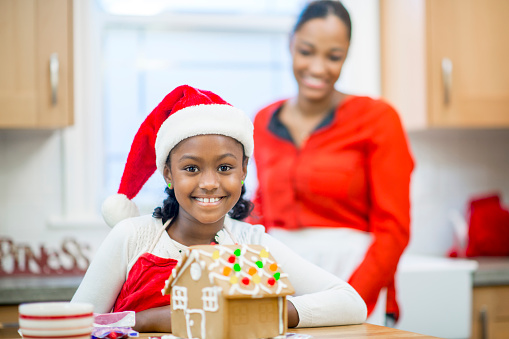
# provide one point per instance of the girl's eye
(191, 169)
(224, 168)
(335, 58)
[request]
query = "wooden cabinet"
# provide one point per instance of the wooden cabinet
(490, 312)
(8, 319)
(445, 62)
(36, 68)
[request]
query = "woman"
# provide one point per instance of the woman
(334, 169)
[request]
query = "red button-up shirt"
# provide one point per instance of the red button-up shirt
(353, 171)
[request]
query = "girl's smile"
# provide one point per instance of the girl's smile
(209, 201)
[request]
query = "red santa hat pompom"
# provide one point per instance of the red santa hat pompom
(183, 113)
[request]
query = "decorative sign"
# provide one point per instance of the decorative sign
(70, 258)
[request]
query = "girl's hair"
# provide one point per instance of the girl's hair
(322, 9)
(170, 208)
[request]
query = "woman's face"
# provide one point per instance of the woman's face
(206, 173)
(318, 50)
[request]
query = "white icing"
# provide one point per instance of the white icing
(195, 271)
(190, 323)
(210, 298)
(179, 298)
(281, 320)
(192, 257)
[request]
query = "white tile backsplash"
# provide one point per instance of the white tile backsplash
(452, 166)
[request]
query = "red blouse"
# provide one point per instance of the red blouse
(353, 171)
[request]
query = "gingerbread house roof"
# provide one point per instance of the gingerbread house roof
(239, 270)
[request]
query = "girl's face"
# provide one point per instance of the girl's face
(318, 50)
(206, 173)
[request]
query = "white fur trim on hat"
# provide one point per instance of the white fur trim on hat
(117, 208)
(199, 120)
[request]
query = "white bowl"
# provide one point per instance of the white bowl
(56, 320)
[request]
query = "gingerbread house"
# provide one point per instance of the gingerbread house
(228, 291)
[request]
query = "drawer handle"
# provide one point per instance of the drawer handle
(484, 322)
(447, 79)
(54, 66)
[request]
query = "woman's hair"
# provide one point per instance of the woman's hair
(322, 9)
(170, 208)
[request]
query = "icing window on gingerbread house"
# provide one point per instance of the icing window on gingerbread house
(179, 298)
(210, 299)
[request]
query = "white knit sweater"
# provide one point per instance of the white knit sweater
(321, 299)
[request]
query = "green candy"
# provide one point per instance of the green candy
(277, 275)
(236, 267)
(237, 252)
(259, 264)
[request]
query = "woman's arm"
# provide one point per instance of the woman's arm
(321, 299)
(390, 167)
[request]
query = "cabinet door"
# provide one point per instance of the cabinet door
(490, 312)
(468, 68)
(36, 63)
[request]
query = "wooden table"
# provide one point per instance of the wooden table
(337, 332)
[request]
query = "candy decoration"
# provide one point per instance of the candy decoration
(273, 267)
(259, 264)
(245, 281)
(234, 279)
(231, 259)
(252, 271)
(226, 271)
(264, 254)
(237, 252)
(277, 275)
(215, 255)
(256, 279)
(271, 281)
(236, 267)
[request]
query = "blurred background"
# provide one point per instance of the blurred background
(78, 77)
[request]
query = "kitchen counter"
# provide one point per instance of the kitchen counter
(491, 271)
(15, 290)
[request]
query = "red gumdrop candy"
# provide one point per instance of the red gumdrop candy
(245, 281)
(271, 281)
(231, 259)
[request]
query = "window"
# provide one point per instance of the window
(210, 299)
(129, 54)
(179, 298)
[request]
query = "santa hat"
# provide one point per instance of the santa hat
(183, 113)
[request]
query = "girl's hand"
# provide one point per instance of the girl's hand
(154, 320)
(293, 315)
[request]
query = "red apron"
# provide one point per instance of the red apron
(142, 289)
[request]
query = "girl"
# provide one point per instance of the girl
(201, 146)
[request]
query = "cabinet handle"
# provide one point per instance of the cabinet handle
(54, 66)
(447, 79)
(483, 317)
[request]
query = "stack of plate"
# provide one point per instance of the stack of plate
(56, 320)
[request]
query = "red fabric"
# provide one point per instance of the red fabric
(142, 289)
(352, 173)
(488, 232)
(141, 161)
